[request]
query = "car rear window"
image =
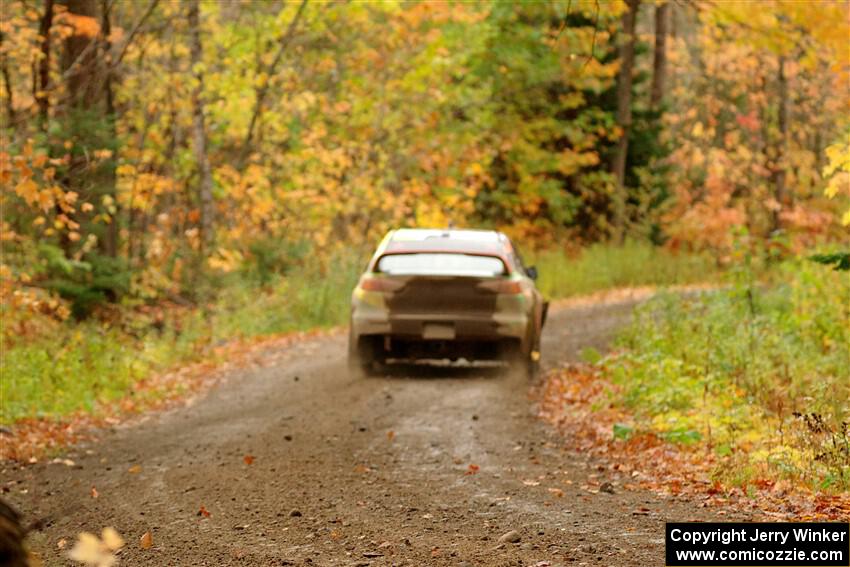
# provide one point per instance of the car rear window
(441, 264)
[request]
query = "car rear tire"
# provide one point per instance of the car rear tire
(525, 367)
(362, 362)
(356, 368)
(526, 364)
(533, 370)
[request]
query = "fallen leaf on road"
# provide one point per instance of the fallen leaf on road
(146, 542)
(135, 469)
(94, 493)
(204, 512)
(92, 550)
(512, 536)
(249, 459)
(112, 539)
(472, 469)
(390, 435)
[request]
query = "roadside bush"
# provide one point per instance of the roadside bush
(762, 377)
(85, 283)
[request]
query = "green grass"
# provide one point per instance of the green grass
(601, 267)
(80, 366)
(761, 376)
(83, 365)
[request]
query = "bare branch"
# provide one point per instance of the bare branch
(564, 22)
(592, 54)
(284, 41)
(151, 7)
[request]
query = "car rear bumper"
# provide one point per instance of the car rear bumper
(464, 327)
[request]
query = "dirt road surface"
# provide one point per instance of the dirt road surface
(420, 467)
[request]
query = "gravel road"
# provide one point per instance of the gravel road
(420, 467)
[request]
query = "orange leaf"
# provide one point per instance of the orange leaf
(94, 492)
(472, 469)
(135, 469)
(204, 512)
(85, 26)
(249, 459)
(146, 542)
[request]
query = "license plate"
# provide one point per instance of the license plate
(438, 332)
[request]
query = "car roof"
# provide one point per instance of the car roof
(414, 234)
(445, 240)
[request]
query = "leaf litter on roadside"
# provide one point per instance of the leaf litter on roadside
(577, 399)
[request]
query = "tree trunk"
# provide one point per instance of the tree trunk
(198, 129)
(82, 108)
(624, 116)
(659, 61)
(780, 194)
(44, 66)
(110, 244)
(7, 83)
(80, 64)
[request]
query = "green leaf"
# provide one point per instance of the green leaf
(623, 432)
(590, 355)
(841, 260)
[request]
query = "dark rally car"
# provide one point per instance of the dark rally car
(436, 295)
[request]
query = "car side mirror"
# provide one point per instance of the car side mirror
(532, 272)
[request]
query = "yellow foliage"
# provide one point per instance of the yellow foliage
(837, 171)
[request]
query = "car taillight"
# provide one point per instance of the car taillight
(509, 286)
(378, 284)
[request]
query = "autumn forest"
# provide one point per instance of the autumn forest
(184, 179)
